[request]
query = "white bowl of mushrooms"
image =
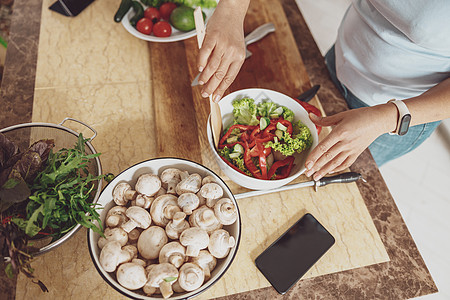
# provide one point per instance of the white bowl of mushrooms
(171, 230)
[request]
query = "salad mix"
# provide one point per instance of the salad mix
(262, 140)
(42, 193)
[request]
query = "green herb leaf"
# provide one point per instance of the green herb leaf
(32, 229)
(170, 279)
(9, 271)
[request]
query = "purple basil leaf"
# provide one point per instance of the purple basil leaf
(7, 150)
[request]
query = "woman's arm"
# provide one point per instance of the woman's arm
(223, 50)
(354, 130)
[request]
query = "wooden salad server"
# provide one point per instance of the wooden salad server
(216, 117)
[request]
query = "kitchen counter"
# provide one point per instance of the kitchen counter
(127, 89)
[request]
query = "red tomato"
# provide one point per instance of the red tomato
(152, 14)
(166, 9)
(144, 26)
(162, 29)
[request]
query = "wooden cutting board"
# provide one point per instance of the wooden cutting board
(137, 95)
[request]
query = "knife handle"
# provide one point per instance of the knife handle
(259, 33)
(340, 178)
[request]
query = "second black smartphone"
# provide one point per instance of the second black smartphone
(285, 261)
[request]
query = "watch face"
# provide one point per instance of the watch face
(404, 124)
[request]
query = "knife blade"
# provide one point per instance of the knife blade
(256, 35)
(309, 94)
(340, 178)
(252, 37)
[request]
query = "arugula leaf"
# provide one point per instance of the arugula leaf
(31, 227)
(62, 193)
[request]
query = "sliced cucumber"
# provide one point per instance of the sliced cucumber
(238, 149)
(263, 123)
(281, 127)
(235, 155)
(279, 134)
(232, 139)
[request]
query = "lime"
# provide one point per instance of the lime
(182, 18)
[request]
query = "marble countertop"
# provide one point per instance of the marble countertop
(26, 85)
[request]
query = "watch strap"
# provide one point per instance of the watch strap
(403, 119)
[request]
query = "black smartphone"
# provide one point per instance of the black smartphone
(288, 258)
(70, 7)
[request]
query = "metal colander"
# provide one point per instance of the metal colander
(23, 135)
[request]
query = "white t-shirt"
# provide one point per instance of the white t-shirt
(393, 48)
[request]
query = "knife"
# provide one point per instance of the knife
(309, 94)
(252, 37)
(340, 178)
(256, 35)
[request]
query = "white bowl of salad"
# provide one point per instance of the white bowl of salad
(266, 138)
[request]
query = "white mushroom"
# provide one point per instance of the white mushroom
(201, 199)
(131, 276)
(143, 201)
(177, 225)
(132, 249)
(151, 241)
(188, 202)
(139, 261)
(162, 276)
(195, 239)
(177, 288)
(123, 193)
(212, 192)
(148, 289)
(184, 175)
(208, 179)
(173, 253)
(171, 177)
(225, 211)
(133, 235)
(190, 184)
(220, 243)
(206, 261)
(148, 184)
(149, 267)
(113, 234)
(161, 191)
(138, 217)
(204, 218)
(112, 255)
(191, 277)
(163, 208)
(116, 216)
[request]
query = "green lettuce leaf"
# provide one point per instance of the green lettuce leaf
(244, 112)
(269, 109)
(288, 114)
(300, 140)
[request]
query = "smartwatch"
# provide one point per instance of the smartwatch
(404, 117)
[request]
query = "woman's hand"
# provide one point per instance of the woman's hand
(223, 50)
(354, 130)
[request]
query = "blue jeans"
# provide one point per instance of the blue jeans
(386, 147)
